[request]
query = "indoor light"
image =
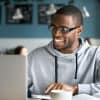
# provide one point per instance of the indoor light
(85, 12)
(18, 14)
(51, 9)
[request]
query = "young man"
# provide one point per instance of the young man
(67, 62)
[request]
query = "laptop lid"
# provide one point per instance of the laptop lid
(13, 77)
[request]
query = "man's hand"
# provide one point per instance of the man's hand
(61, 86)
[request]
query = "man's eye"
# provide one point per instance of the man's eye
(64, 30)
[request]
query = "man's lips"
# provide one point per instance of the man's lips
(58, 40)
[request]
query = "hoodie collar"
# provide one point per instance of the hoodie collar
(83, 46)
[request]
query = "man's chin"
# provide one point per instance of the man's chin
(58, 47)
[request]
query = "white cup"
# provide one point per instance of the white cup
(40, 97)
(61, 95)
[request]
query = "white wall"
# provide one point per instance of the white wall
(30, 44)
(95, 41)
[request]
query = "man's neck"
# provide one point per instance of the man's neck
(72, 49)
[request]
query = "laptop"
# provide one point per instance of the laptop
(13, 85)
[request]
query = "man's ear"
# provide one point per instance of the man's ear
(80, 29)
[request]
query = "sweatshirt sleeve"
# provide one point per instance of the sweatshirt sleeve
(84, 88)
(29, 78)
(89, 88)
(93, 88)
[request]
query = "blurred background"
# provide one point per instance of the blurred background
(25, 22)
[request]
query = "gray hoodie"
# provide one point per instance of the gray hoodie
(82, 68)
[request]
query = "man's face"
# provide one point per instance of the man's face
(64, 32)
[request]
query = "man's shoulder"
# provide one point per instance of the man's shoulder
(95, 49)
(38, 50)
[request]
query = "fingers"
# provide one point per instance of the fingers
(54, 86)
(58, 86)
(49, 88)
(67, 87)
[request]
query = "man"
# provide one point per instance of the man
(67, 62)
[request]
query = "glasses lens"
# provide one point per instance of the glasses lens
(62, 29)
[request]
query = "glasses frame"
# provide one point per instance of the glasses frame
(61, 29)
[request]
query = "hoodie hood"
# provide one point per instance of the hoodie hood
(82, 48)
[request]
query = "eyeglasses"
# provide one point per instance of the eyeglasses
(61, 29)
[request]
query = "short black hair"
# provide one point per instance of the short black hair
(18, 49)
(73, 11)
